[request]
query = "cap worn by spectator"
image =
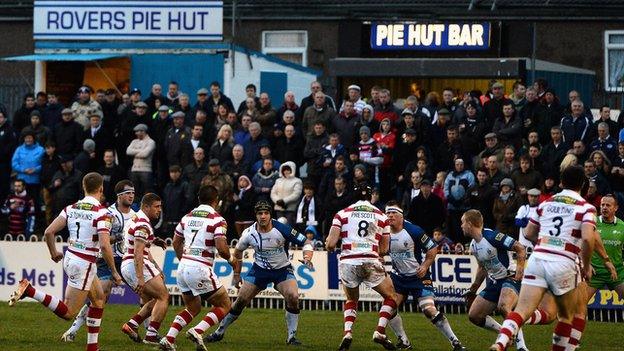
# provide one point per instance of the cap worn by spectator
(507, 182)
(202, 91)
(67, 111)
(365, 130)
(425, 182)
(178, 114)
(368, 107)
(35, 113)
(490, 136)
(84, 89)
(66, 158)
(407, 111)
(410, 131)
(361, 167)
(140, 127)
(141, 104)
(497, 85)
(88, 145)
(534, 192)
(135, 91)
(95, 113)
(213, 162)
(163, 108)
(354, 87)
(444, 111)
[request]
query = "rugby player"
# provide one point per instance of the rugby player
(141, 272)
(564, 225)
(89, 224)
(411, 275)
(121, 214)
(365, 235)
(198, 236)
(269, 239)
(493, 251)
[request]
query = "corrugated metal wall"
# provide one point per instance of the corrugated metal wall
(191, 71)
(562, 83)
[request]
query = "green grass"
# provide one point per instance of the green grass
(30, 326)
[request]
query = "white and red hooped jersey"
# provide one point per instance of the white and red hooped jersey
(559, 219)
(200, 228)
(86, 219)
(361, 227)
(139, 228)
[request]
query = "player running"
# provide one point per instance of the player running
(141, 272)
(493, 251)
(564, 225)
(89, 224)
(198, 236)
(121, 214)
(411, 276)
(269, 239)
(365, 236)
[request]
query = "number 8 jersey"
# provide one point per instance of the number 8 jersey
(361, 227)
(559, 219)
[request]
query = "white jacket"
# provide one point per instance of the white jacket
(142, 151)
(287, 189)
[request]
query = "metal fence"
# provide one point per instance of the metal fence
(12, 91)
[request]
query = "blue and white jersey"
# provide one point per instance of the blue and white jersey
(494, 254)
(270, 249)
(407, 249)
(119, 223)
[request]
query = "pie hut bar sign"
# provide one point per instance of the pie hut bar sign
(430, 36)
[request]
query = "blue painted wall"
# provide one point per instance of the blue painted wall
(191, 71)
(562, 83)
(275, 84)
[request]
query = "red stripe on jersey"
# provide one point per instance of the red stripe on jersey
(578, 216)
(46, 300)
(149, 269)
(591, 210)
(196, 260)
(572, 248)
(370, 255)
(349, 209)
(377, 236)
(85, 257)
(344, 234)
(576, 233)
(84, 285)
(346, 247)
(539, 249)
(590, 222)
(377, 211)
(534, 221)
(209, 242)
(530, 277)
(539, 211)
(375, 248)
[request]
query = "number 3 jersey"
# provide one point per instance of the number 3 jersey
(361, 227)
(199, 229)
(559, 219)
(270, 249)
(85, 220)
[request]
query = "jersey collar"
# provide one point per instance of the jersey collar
(91, 200)
(615, 219)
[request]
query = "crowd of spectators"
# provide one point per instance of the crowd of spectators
(438, 156)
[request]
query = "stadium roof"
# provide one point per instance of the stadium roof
(395, 9)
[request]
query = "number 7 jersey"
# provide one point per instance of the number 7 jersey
(361, 227)
(199, 229)
(559, 220)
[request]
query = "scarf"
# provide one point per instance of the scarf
(311, 217)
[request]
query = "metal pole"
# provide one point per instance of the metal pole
(533, 52)
(233, 20)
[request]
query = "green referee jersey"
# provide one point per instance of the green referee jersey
(612, 235)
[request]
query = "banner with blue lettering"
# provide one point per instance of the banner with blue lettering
(128, 20)
(430, 36)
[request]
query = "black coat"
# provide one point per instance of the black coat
(175, 202)
(104, 140)
(221, 151)
(49, 167)
(21, 118)
(332, 204)
(8, 142)
(243, 207)
(428, 213)
(289, 150)
(68, 137)
(111, 176)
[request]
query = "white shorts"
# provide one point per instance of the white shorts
(370, 273)
(129, 273)
(197, 279)
(557, 276)
(80, 272)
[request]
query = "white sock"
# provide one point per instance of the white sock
(292, 320)
(440, 321)
(396, 324)
(520, 340)
(492, 324)
(225, 323)
(79, 320)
